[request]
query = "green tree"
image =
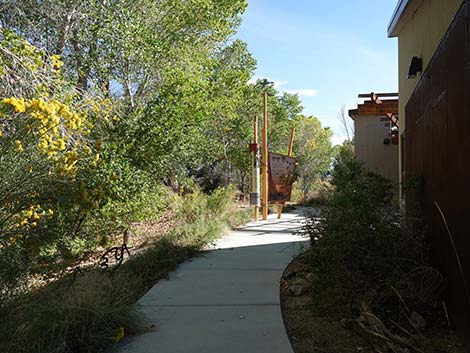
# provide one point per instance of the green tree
(131, 44)
(313, 150)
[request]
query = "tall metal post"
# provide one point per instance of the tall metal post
(291, 142)
(264, 172)
(255, 171)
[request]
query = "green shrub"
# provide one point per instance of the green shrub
(358, 248)
(204, 217)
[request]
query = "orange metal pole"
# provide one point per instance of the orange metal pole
(264, 169)
(291, 142)
(255, 140)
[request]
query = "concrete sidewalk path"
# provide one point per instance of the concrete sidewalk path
(226, 301)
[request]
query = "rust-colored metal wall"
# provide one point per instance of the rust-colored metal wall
(437, 161)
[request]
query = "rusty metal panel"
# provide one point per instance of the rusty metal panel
(438, 73)
(438, 149)
(467, 67)
(439, 146)
(455, 56)
(428, 157)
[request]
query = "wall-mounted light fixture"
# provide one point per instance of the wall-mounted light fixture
(415, 67)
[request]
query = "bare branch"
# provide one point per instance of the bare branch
(346, 123)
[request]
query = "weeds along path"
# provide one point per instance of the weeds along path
(227, 300)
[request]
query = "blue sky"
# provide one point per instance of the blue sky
(327, 51)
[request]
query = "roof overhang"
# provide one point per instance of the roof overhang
(353, 113)
(402, 14)
(371, 109)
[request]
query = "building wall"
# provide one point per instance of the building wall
(369, 147)
(437, 151)
(421, 36)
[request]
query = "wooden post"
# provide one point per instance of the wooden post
(291, 142)
(264, 169)
(289, 153)
(255, 140)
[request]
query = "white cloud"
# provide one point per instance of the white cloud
(307, 92)
(278, 84)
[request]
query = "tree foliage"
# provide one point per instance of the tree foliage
(105, 101)
(314, 152)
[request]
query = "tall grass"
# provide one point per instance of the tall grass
(83, 317)
(87, 313)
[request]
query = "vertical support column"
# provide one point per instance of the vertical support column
(291, 142)
(255, 171)
(264, 172)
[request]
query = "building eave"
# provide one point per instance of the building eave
(401, 15)
(353, 113)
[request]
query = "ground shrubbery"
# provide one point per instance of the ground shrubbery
(91, 309)
(358, 244)
(366, 265)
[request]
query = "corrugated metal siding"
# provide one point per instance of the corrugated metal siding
(437, 149)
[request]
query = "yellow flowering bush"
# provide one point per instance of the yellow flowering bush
(49, 160)
(56, 63)
(66, 182)
(53, 124)
(30, 217)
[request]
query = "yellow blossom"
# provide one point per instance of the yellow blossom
(29, 217)
(70, 160)
(59, 144)
(96, 159)
(120, 334)
(56, 62)
(19, 146)
(43, 145)
(51, 123)
(18, 104)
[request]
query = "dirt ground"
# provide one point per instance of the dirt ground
(310, 333)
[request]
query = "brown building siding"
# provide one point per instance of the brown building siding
(437, 160)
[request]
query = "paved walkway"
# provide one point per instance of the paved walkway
(226, 301)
